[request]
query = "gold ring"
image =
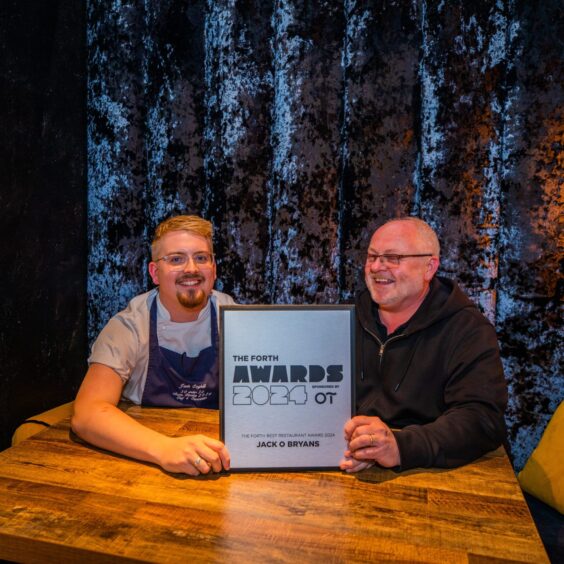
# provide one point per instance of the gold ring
(372, 439)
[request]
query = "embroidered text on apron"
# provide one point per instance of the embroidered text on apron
(177, 380)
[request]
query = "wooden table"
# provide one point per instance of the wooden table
(64, 501)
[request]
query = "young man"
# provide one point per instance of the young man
(430, 384)
(162, 350)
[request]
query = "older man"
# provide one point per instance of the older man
(162, 350)
(430, 385)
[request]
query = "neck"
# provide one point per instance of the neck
(180, 314)
(392, 319)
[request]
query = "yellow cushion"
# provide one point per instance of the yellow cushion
(543, 475)
(45, 419)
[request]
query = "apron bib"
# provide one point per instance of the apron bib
(177, 380)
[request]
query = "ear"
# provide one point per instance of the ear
(431, 268)
(154, 272)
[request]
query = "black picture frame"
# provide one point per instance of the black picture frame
(286, 385)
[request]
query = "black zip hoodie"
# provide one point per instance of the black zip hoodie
(437, 381)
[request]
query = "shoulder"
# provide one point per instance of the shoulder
(122, 343)
(465, 308)
(135, 316)
(448, 300)
(220, 298)
(450, 315)
(468, 334)
(140, 304)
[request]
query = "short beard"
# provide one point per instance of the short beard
(191, 299)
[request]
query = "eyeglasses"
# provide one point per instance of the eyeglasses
(392, 260)
(177, 261)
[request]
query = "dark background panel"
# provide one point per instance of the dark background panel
(117, 144)
(237, 143)
(463, 61)
(42, 207)
(173, 36)
(529, 309)
(381, 114)
(307, 39)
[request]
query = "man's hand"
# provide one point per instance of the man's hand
(370, 441)
(193, 454)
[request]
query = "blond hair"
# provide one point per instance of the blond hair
(191, 223)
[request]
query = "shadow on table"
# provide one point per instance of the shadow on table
(377, 475)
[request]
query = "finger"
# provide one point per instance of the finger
(364, 419)
(362, 466)
(347, 462)
(359, 467)
(188, 468)
(369, 453)
(223, 454)
(220, 457)
(373, 426)
(353, 423)
(214, 460)
(201, 465)
(225, 458)
(204, 467)
(360, 431)
(363, 441)
(349, 428)
(370, 441)
(352, 465)
(363, 453)
(213, 444)
(377, 430)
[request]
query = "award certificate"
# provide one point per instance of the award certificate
(286, 385)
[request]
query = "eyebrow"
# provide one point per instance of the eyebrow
(385, 251)
(185, 252)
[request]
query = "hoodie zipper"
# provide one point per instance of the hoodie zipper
(383, 345)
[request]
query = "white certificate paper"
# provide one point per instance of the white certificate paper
(286, 385)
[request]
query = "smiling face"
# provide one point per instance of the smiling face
(183, 292)
(401, 288)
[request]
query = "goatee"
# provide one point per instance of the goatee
(191, 299)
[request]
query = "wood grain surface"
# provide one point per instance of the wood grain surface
(62, 500)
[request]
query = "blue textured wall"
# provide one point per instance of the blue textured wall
(297, 127)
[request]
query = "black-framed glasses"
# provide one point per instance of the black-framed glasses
(177, 261)
(391, 259)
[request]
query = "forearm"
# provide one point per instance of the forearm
(106, 426)
(455, 438)
(475, 395)
(99, 421)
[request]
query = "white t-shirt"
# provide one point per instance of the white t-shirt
(123, 344)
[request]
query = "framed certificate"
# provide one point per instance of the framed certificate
(286, 385)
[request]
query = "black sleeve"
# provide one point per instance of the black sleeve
(475, 396)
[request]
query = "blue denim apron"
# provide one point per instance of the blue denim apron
(177, 380)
